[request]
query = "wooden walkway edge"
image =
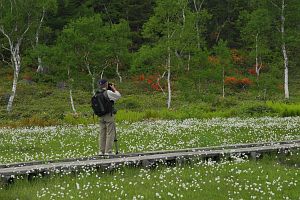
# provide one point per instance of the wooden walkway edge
(232, 146)
(146, 159)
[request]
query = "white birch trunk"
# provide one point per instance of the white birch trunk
(169, 78)
(286, 69)
(257, 65)
(158, 83)
(40, 65)
(117, 70)
(169, 70)
(72, 101)
(197, 9)
(183, 16)
(90, 74)
(92, 77)
(102, 72)
(17, 66)
(256, 56)
(223, 83)
(16, 62)
(189, 60)
(70, 93)
(93, 85)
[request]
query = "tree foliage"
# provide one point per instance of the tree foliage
(193, 39)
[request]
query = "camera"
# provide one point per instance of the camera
(109, 85)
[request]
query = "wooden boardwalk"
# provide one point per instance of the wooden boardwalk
(146, 159)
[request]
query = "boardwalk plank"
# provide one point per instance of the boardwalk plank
(20, 164)
(113, 162)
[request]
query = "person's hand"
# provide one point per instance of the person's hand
(113, 88)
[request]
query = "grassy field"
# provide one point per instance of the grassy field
(55, 142)
(43, 127)
(270, 178)
(237, 179)
(42, 102)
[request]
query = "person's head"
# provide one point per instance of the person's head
(103, 83)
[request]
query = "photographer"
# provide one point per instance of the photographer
(107, 121)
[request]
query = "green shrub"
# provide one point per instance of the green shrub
(256, 109)
(79, 118)
(285, 109)
(226, 102)
(131, 116)
(129, 103)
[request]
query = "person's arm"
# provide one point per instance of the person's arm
(113, 94)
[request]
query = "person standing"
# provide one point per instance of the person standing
(107, 121)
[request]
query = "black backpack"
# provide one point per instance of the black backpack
(101, 104)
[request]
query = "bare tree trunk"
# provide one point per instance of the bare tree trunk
(158, 82)
(40, 65)
(197, 9)
(286, 69)
(87, 64)
(92, 76)
(223, 83)
(117, 70)
(169, 70)
(257, 65)
(72, 101)
(14, 50)
(283, 48)
(189, 60)
(17, 66)
(256, 56)
(220, 30)
(70, 92)
(183, 17)
(169, 78)
(102, 72)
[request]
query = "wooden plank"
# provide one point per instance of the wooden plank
(242, 145)
(112, 162)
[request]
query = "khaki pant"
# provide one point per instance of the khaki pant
(107, 133)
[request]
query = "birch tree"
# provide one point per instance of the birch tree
(97, 46)
(284, 51)
(286, 18)
(118, 43)
(45, 6)
(224, 57)
(86, 39)
(256, 27)
(17, 17)
(66, 50)
(192, 49)
(199, 13)
(163, 29)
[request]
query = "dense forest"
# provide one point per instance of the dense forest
(195, 47)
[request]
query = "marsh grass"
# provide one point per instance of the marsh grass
(238, 179)
(285, 109)
(57, 142)
(44, 105)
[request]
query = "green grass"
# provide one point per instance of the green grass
(43, 104)
(230, 180)
(226, 180)
(57, 142)
(285, 109)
